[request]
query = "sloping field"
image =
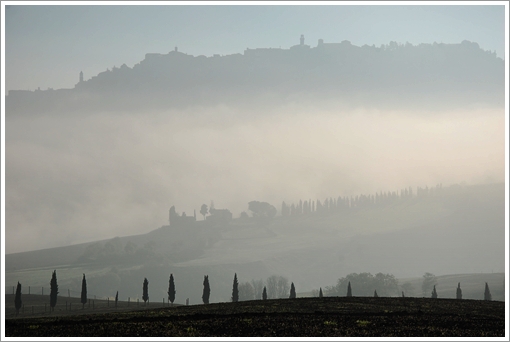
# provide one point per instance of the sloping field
(460, 232)
(312, 317)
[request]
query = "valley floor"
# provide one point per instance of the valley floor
(312, 317)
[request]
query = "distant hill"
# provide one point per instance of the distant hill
(459, 230)
(430, 75)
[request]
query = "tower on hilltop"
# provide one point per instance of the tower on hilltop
(302, 40)
(81, 76)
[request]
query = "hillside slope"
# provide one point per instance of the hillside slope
(461, 231)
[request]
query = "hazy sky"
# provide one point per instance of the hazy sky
(48, 46)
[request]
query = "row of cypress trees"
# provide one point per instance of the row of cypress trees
(205, 295)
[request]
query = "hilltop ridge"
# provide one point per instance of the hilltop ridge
(394, 74)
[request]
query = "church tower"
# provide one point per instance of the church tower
(81, 76)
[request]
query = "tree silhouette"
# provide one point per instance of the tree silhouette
(17, 298)
(487, 295)
(116, 298)
(203, 210)
(262, 209)
(264, 294)
(246, 291)
(285, 210)
(207, 290)
(53, 290)
(83, 292)
(434, 292)
(375, 294)
(292, 291)
(145, 295)
(320, 292)
(459, 292)
(429, 280)
(171, 289)
(235, 290)
(349, 290)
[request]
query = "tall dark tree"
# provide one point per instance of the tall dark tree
(83, 292)
(434, 292)
(171, 289)
(487, 294)
(53, 290)
(375, 294)
(320, 292)
(235, 289)
(116, 298)
(207, 290)
(17, 298)
(349, 290)
(292, 291)
(264, 294)
(145, 295)
(203, 210)
(459, 292)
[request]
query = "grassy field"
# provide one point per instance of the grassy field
(312, 317)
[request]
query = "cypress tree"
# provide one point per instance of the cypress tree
(235, 290)
(207, 290)
(434, 292)
(349, 290)
(17, 299)
(264, 294)
(145, 295)
(459, 292)
(171, 289)
(116, 298)
(375, 294)
(83, 292)
(292, 291)
(487, 295)
(53, 290)
(320, 292)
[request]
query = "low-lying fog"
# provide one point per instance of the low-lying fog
(78, 178)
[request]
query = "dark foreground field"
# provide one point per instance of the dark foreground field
(329, 316)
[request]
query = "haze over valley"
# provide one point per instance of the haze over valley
(366, 158)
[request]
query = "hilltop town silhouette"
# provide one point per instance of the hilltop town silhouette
(396, 73)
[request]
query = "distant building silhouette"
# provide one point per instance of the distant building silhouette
(175, 220)
(219, 215)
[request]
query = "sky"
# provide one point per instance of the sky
(79, 179)
(48, 45)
